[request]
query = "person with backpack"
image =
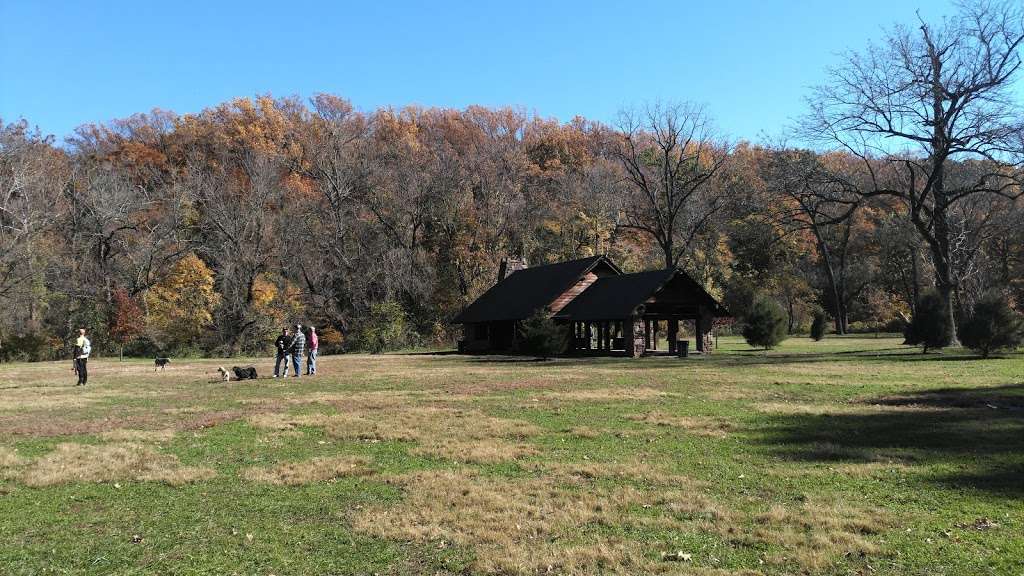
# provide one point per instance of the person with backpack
(282, 345)
(298, 348)
(314, 345)
(81, 357)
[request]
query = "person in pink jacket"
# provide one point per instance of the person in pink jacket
(313, 345)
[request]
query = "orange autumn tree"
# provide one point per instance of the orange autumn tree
(127, 321)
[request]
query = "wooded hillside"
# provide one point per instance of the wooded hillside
(207, 232)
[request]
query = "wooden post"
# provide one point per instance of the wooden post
(589, 332)
(673, 335)
(635, 337)
(703, 325)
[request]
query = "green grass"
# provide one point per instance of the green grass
(847, 456)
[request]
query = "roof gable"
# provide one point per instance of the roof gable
(617, 297)
(525, 291)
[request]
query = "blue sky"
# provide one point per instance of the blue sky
(751, 62)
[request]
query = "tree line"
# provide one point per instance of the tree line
(204, 233)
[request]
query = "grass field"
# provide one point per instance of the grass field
(853, 455)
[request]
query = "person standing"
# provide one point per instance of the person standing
(83, 347)
(298, 349)
(283, 344)
(314, 345)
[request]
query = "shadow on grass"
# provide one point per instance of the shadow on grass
(729, 358)
(961, 438)
(508, 359)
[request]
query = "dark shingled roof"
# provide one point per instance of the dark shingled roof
(523, 292)
(616, 297)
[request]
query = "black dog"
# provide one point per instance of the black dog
(160, 363)
(247, 373)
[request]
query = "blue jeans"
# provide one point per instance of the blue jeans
(277, 365)
(296, 363)
(311, 362)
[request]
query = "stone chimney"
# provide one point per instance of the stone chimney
(510, 265)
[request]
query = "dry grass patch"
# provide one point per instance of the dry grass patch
(461, 435)
(310, 471)
(281, 422)
(183, 410)
(815, 535)
(354, 400)
(486, 384)
(583, 432)
(522, 526)
(808, 409)
(480, 451)
(875, 469)
(726, 392)
(128, 435)
(464, 435)
(10, 458)
(110, 462)
(10, 462)
(702, 426)
(796, 408)
(605, 394)
(423, 424)
(636, 471)
(51, 397)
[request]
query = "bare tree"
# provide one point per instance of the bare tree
(922, 100)
(333, 156)
(804, 196)
(32, 176)
(238, 197)
(671, 154)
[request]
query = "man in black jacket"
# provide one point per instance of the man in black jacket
(283, 345)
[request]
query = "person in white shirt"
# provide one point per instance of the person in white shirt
(82, 349)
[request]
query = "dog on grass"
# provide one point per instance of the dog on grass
(160, 363)
(247, 373)
(224, 374)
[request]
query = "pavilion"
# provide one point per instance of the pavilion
(608, 312)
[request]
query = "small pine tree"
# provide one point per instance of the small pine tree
(818, 326)
(765, 324)
(542, 336)
(992, 326)
(928, 328)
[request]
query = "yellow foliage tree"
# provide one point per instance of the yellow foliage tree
(275, 303)
(180, 308)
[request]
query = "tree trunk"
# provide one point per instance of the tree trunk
(946, 291)
(915, 280)
(833, 284)
(940, 225)
(790, 313)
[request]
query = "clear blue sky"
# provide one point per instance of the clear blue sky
(67, 63)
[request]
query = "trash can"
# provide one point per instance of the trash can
(683, 348)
